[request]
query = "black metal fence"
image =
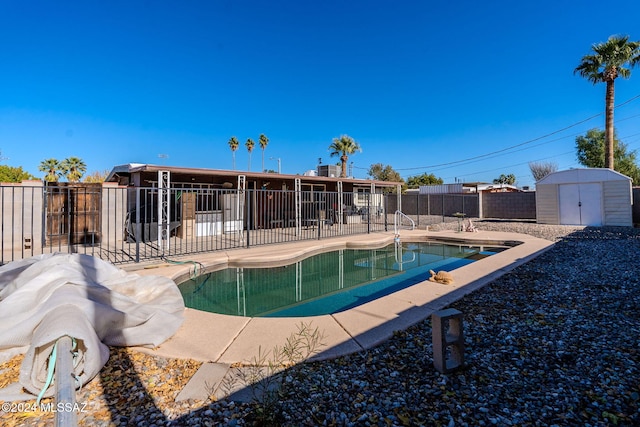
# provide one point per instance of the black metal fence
(127, 224)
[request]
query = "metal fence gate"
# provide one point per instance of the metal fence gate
(72, 214)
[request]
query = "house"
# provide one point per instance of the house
(221, 201)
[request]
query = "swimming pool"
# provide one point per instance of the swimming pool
(328, 282)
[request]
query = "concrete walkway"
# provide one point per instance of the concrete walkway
(223, 340)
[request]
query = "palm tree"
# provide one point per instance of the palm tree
(73, 168)
(609, 62)
(52, 169)
(233, 144)
(263, 141)
(343, 147)
(250, 144)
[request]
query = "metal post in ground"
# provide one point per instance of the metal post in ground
(418, 208)
(70, 212)
(369, 213)
(248, 216)
(66, 416)
(386, 209)
(138, 225)
(317, 204)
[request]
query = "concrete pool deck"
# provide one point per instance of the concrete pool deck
(225, 339)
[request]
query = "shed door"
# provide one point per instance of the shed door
(580, 204)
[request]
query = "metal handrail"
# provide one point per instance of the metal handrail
(400, 257)
(397, 219)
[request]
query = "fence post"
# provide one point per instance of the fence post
(138, 225)
(463, 211)
(2, 198)
(45, 201)
(12, 243)
(70, 209)
(386, 211)
(418, 208)
(247, 214)
(317, 205)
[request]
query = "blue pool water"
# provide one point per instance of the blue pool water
(328, 282)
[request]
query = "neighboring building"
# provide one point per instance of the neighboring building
(495, 188)
(441, 189)
(459, 188)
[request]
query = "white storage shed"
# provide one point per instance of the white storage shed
(590, 196)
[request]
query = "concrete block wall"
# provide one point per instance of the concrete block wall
(114, 211)
(509, 205)
(436, 204)
(21, 221)
(494, 205)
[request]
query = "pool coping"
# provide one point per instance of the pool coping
(228, 340)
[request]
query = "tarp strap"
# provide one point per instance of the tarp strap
(51, 367)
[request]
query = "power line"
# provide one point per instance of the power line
(503, 152)
(627, 101)
(504, 149)
(520, 144)
(514, 165)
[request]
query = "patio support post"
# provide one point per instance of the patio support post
(164, 209)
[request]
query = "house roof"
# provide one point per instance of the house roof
(131, 168)
(491, 187)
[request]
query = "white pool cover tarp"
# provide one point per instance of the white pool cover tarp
(49, 296)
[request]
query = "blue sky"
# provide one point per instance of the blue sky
(422, 86)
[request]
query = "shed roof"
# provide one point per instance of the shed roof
(583, 175)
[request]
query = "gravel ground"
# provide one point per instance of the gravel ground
(555, 342)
